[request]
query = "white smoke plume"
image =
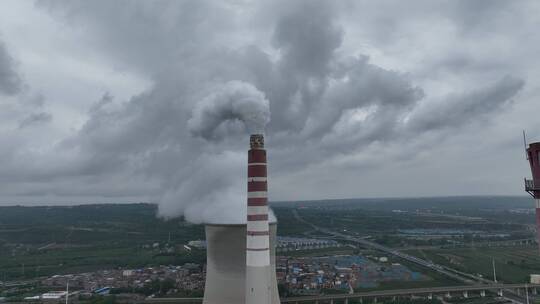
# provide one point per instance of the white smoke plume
(208, 194)
(228, 105)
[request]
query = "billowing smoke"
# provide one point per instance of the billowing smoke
(208, 194)
(182, 141)
(230, 107)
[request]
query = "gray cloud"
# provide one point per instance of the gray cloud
(361, 85)
(307, 35)
(10, 82)
(331, 106)
(35, 119)
(458, 109)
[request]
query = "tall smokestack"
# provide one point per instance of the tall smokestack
(258, 270)
(533, 186)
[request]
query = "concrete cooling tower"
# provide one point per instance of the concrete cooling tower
(226, 264)
(241, 260)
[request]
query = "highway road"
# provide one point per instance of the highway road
(460, 276)
(415, 291)
(438, 268)
(373, 294)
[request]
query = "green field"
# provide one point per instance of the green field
(513, 265)
(385, 219)
(43, 241)
(75, 260)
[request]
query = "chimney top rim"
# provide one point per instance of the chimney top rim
(256, 141)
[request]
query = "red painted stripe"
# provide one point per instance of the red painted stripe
(257, 204)
(257, 249)
(257, 171)
(257, 217)
(258, 233)
(257, 186)
(257, 156)
(257, 200)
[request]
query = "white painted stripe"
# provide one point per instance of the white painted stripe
(256, 164)
(537, 202)
(257, 179)
(258, 258)
(257, 194)
(257, 226)
(257, 241)
(257, 210)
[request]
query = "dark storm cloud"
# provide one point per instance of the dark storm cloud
(210, 78)
(10, 82)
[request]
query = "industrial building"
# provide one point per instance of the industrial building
(287, 243)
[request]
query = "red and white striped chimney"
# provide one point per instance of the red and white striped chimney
(533, 186)
(258, 270)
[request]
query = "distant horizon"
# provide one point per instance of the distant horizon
(73, 204)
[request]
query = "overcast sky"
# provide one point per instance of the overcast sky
(128, 101)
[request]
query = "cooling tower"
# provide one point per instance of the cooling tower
(533, 186)
(226, 264)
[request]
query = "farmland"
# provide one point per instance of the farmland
(41, 241)
(513, 265)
